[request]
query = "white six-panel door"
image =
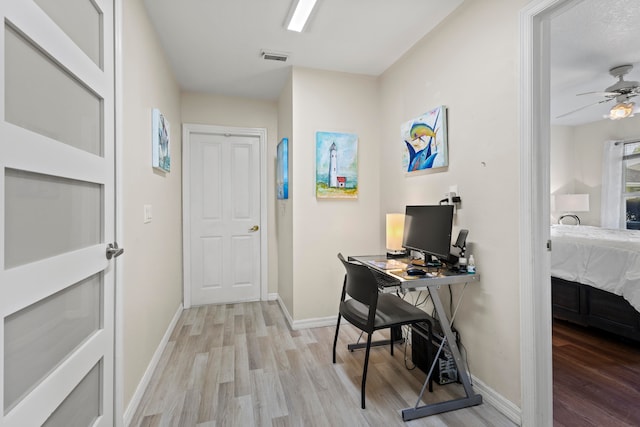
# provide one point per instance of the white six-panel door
(224, 215)
(57, 213)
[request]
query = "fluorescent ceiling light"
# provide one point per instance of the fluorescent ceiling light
(301, 15)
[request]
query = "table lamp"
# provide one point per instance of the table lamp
(395, 233)
(571, 203)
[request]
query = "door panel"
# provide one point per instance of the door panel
(39, 337)
(243, 177)
(47, 216)
(211, 167)
(82, 407)
(84, 26)
(57, 213)
(224, 207)
(41, 96)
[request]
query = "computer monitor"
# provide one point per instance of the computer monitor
(427, 229)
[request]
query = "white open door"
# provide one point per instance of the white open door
(57, 214)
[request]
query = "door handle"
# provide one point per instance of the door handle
(113, 250)
(254, 229)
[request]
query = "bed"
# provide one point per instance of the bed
(596, 278)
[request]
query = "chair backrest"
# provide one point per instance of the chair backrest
(360, 283)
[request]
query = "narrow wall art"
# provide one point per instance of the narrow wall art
(424, 141)
(161, 156)
(282, 169)
(336, 165)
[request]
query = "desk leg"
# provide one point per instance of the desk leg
(471, 398)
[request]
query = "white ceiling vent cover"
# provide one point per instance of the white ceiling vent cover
(274, 56)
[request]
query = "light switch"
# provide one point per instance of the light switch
(147, 214)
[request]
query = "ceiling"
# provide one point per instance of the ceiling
(215, 46)
(586, 41)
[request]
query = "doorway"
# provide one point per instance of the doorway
(224, 214)
(535, 189)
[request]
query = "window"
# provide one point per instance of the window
(631, 190)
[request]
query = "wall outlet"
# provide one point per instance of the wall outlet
(148, 214)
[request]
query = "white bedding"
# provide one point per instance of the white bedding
(603, 258)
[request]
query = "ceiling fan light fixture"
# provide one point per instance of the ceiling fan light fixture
(621, 110)
(301, 12)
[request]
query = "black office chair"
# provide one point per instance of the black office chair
(369, 310)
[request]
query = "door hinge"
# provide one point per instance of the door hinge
(549, 245)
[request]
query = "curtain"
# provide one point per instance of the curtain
(611, 212)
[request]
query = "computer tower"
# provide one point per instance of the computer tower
(423, 351)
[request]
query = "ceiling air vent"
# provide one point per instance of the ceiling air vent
(273, 56)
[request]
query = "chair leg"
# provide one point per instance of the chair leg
(366, 365)
(335, 340)
(391, 333)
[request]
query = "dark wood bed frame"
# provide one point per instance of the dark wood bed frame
(589, 306)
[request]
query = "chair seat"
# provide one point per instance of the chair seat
(391, 311)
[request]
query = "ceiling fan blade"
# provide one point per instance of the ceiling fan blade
(582, 108)
(599, 93)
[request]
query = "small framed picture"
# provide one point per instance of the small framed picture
(282, 172)
(161, 155)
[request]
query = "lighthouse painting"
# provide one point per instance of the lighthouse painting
(336, 165)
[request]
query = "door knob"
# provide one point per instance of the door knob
(254, 229)
(113, 250)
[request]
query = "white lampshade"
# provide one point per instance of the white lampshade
(395, 231)
(571, 203)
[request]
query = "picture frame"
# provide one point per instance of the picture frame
(282, 169)
(336, 165)
(160, 144)
(425, 141)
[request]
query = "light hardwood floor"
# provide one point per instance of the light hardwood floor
(240, 365)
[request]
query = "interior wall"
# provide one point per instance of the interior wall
(562, 164)
(209, 109)
(583, 157)
(470, 66)
(152, 261)
(284, 214)
(336, 102)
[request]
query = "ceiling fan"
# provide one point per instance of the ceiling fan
(622, 91)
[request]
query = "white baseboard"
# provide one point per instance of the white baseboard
(273, 297)
(146, 378)
(493, 398)
(283, 307)
(296, 325)
(317, 322)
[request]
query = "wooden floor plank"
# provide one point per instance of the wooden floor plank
(241, 365)
(596, 378)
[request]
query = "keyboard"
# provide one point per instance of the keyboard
(384, 280)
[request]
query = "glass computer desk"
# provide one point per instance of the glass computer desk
(432, 281)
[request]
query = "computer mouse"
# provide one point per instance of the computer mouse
(416, 272)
